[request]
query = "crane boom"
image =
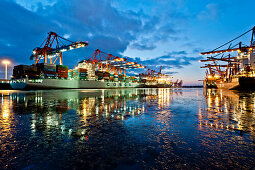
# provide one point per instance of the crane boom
(53, 46)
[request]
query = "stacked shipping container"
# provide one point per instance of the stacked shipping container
(99, 74)
(134, 79)
(82, 73)
(90, 69)
(47, 70)
(106, 76)
(121, 78)
(111, 77)
(62, 71)
(70, 73)
(23, 71)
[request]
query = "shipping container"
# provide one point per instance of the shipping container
(64, 76)
(99, 73)
(62, 66)
(106, 74)
(23, 71)
(46, 66)
(47, 69)
(49, 72)
(49, 75)
(82, 70)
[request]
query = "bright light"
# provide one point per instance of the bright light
(6, 62)
(217, 76)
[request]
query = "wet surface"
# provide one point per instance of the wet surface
(127, 129)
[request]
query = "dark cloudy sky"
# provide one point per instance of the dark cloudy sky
(153, 32)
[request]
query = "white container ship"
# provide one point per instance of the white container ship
(98, 71)
(69, 84)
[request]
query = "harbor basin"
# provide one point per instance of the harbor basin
(136, 128)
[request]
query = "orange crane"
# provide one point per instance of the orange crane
(109, 63)
(53, 47)
(218, 69)
(149, 74)
(152, 74)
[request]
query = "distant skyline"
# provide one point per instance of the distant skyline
(170, 33)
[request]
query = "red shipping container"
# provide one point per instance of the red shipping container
(83, 70)
(62, 71)
(64, 76)
(49, 72)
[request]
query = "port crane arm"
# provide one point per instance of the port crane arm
(207, 66)
(244, 49)
(219, 59)
(109, 63)
(53, 46)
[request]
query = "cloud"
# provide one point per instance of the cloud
(23, 29)
(170, 63)
(24, 26)
(211, 12)
(143, 46)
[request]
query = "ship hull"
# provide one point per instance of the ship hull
(247, 82)
(241, 83)
(230, 85)
(69, 84)
(157, 86)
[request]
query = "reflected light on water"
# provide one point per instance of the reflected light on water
(5, 104)
(229, 109)
(130, 128)
(5, 109)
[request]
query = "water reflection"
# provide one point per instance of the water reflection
(229, 109)
(48, 118)
(127, 128)
(47, 109)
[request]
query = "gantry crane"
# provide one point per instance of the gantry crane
(233, 63)
(109, 63)
(241, 48)
(150, 74)
(53, 47)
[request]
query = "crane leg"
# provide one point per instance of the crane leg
(61, 59)
(45, 57)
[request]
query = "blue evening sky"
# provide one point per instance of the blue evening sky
(170, 33)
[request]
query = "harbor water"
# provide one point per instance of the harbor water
(127, 129)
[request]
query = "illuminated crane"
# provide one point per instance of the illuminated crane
(53, 47)
(246, 49)
(234, 64)
(109, 63)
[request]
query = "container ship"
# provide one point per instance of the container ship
(231, 68)
(153, 79)
(51, 76)
(99, 71)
